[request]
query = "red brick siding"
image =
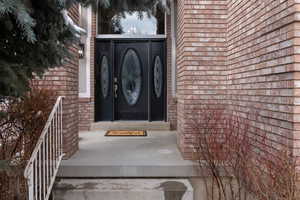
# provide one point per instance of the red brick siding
(261, 66)
(244, 54)
(85, 114)
(296, 85)
(201, 62)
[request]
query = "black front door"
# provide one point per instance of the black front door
(130, 80)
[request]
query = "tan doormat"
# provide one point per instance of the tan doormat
(125, 133)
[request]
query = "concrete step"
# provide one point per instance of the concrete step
(131, 125)
(123, 189)
(153, 156)
(121, 171)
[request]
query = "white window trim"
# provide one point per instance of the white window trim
(173, 53)
(87, 94)
(116, 36)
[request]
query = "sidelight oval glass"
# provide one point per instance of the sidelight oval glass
(158, 77)
(104, 76)
(131, 77)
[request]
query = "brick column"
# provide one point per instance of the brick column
(296, 85)
(64, 80)
(201, 62)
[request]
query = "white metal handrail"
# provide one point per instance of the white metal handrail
(42, 167)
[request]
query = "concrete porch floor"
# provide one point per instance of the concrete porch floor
(156, 155)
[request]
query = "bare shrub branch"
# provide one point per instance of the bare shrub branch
(21, 124)
(239, 164)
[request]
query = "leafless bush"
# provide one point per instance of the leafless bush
(21, 124)
(238, 164)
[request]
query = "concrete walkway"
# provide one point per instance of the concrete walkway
(156, 155)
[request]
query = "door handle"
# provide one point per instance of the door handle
(116, 87)
(116, 91)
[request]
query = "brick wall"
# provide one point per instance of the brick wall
(261, 65)
(296, 76)
(263, 68)
(201, 62)
(85, 114)
(244, 54)
(64, 80)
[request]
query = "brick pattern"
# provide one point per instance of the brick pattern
(64, 80)
(261, 49)
(201, 62)
(296, 85)
(85, 114)
(243, 54)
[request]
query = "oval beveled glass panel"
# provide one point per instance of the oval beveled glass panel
(104, 76)
(131, 77)
(158, 77)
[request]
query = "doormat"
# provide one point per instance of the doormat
(126, 133)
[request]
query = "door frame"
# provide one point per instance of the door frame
(112, 52)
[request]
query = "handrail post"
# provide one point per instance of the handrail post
(41, 170)
(30, 184)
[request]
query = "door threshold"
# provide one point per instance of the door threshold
(132, 125)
